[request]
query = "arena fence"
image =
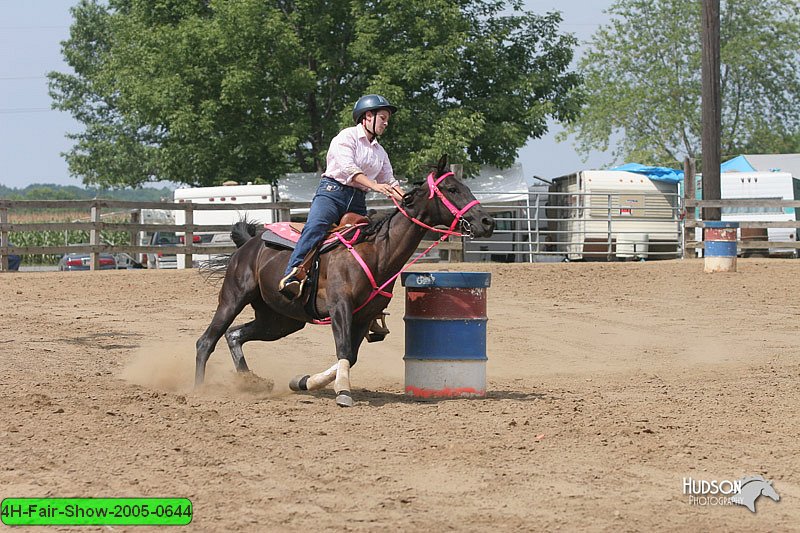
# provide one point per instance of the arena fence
(539, 226)
(545, 226)
(767, 227)
(124, 219)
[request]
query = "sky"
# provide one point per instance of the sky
(33, 136)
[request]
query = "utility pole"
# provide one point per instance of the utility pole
(711, 113)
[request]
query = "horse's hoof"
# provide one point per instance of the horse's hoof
(343, 399)
(298, 383)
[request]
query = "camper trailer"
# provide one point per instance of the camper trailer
(762, 185)
(614, 215)
(223, 195)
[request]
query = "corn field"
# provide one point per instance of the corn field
(60, 238)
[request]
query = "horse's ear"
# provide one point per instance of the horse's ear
(442, 166)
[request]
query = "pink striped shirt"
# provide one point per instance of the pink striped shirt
(351, 153)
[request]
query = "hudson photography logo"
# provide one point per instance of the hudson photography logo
(744, 491)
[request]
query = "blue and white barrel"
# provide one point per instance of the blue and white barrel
(719, 248)
(445, 354)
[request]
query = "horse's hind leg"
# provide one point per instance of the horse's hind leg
(267, 326)
(223, 318)
(233, 297)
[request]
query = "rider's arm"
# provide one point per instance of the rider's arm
(382, 188)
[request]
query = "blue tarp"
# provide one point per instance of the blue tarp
(737, 164)
(667, 174)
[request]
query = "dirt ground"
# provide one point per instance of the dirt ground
(608, 385)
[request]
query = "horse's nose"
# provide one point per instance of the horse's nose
(488, 224)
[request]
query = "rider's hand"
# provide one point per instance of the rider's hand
(389, 191)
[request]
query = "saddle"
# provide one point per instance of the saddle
(287, 234)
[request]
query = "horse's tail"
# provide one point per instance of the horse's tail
(241, 232)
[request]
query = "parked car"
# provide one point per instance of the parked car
(160, 259)
(82, 261)
(126, 261)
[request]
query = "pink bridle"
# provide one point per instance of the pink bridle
(433, 185)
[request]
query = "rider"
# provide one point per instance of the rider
(356, 164)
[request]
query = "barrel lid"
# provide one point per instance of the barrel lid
(446, 279)
(719, 224)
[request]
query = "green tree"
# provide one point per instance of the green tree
(48, 192)
(643, 80)
(201, 91)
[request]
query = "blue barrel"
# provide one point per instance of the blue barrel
(445, 354)
(719, 248)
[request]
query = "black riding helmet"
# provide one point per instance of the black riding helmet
(371, 102)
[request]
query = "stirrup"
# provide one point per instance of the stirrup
(378, 329)
(290, 286)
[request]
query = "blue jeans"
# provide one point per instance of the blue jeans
(329, 204)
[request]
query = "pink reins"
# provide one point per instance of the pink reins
(433, 185)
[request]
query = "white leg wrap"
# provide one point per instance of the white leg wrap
(323, 379)
(342, 376)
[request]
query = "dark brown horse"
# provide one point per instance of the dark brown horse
(254, 270)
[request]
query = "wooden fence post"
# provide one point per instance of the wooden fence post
(188, 239)
(609, 244)
(3, 239)
(283, 215)
(689, 193)
(136, 217)
(94, 238)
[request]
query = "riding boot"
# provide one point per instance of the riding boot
(377, 329)
(291, 286)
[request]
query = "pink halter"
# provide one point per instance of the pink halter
(433, 185)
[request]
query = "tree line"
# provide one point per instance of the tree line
(40, 191)
(202, 91)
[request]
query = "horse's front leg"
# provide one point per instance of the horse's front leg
(315, 381)
(323, 379)
(342, 325)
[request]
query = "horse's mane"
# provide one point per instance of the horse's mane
(378, 220)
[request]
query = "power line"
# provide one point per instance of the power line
(25, 110)
(28, 28)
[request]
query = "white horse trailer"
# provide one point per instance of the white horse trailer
(222, 195)
(612, 214)
(762, 185)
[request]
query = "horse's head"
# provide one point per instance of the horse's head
(443, 200)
